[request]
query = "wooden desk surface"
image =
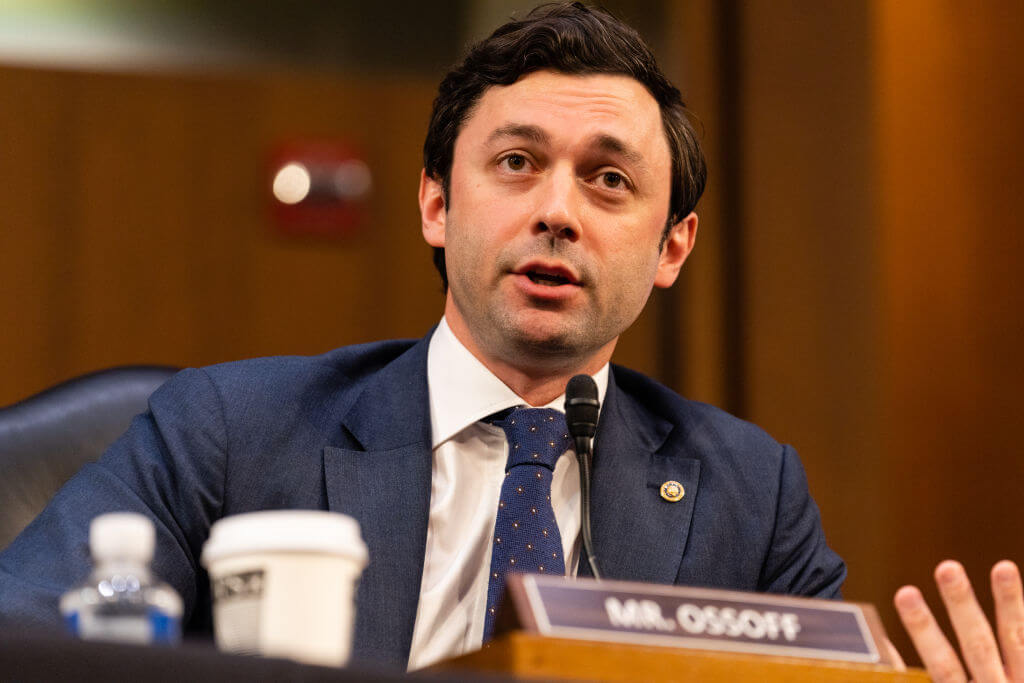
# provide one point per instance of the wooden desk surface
(525, 655)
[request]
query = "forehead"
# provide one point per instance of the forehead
(572, 108)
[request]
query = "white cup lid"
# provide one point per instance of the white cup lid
(306, 531)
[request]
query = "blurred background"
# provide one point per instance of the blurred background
(193, 181)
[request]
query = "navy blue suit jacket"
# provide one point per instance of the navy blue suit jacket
(349, 431)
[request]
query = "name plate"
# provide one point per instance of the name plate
(698, 618)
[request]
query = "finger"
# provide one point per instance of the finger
(977, 642)
(935, 651)
(894, 655)
(1009, 598)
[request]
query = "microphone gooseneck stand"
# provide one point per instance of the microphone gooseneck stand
(581, 411)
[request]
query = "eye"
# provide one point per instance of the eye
(514, 162)
(614, 180)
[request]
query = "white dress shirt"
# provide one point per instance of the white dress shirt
(467, 472)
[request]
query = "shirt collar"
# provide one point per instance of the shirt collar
(463, 391)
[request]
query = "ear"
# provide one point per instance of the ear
(432, 210)
(677, 247)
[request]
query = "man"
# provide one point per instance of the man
(560, 177)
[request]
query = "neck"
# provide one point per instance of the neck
(536, 381)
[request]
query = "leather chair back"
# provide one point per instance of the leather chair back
(47, 437)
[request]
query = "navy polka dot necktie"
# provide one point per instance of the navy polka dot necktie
(526, 537)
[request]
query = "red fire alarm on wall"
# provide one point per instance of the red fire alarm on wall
(319, 188)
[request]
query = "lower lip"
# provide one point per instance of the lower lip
(545, 292)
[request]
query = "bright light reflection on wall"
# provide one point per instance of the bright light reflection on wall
(292, 183)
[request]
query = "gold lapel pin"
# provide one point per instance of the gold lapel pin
(672, 491)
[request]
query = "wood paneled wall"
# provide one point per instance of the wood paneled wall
(950, 92)
(880, 179)
(135, 225)
(812, 291)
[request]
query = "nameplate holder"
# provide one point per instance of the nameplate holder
(695, 618)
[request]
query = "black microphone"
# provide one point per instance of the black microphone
(581, 409)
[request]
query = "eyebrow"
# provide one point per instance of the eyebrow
(613, 145)
(519, 130)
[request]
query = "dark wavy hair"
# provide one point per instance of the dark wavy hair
(570, 39)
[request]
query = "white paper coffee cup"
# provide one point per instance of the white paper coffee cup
(284, 583)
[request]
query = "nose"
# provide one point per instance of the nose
(558, 207)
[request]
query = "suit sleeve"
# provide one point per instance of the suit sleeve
(799, 561)
(169, 465)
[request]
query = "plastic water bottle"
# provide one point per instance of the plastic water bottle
(121, 600)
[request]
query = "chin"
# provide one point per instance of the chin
(545, 338)
(539, 343)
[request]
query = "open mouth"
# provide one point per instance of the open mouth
(547, 279)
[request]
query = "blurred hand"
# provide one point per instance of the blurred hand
(978, 644)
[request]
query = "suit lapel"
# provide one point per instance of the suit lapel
(383, 480)
(638, 535)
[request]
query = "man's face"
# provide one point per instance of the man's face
(558, 200)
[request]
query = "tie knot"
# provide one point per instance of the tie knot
(536, 436)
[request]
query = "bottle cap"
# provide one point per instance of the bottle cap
(122, 536)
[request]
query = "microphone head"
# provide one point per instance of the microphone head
(581, 406)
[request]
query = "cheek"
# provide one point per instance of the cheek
(493, 202)
(633, 245)
(460, 246)
(483, 228)
(471, 249)
(632, 267)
